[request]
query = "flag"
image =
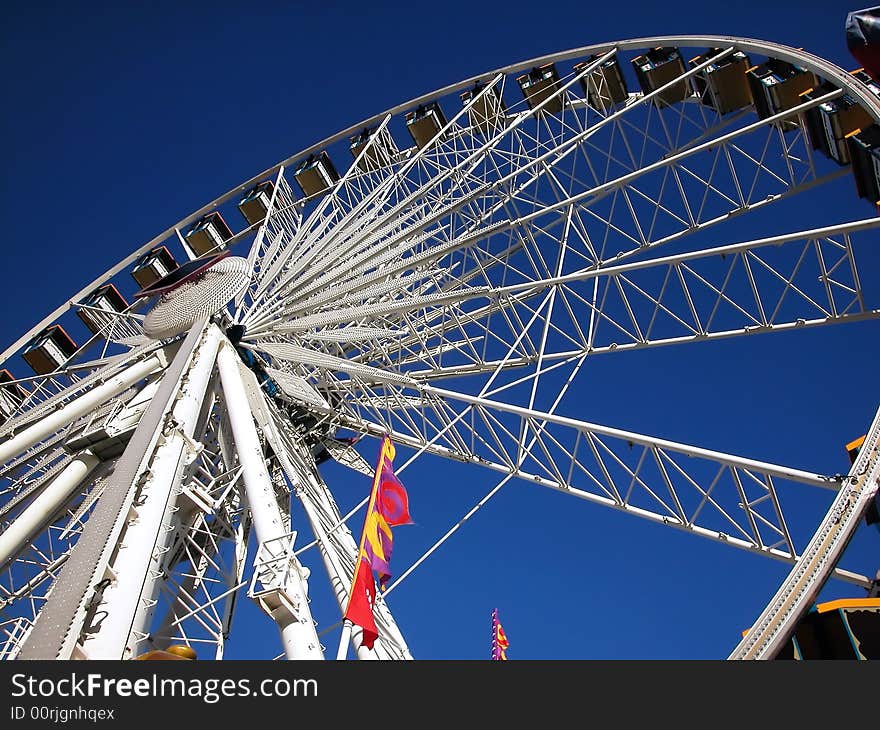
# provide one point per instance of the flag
(387, 508)
(361, 601)
(499, 639)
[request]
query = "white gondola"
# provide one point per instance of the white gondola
(106, 298)
(153, 265)
(210, 233)
(864, 151)
(605, 86)
(49, 349)
(777, 86)
(723, 85)
(657, 68)
(830, 123)
(380, 153)
(487, 113)
(425, 122)
(316, 174)
(11, 395)
(255, 204)
(539, 84)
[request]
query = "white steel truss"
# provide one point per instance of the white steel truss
(439, 291)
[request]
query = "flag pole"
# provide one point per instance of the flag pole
(494, 632)
(342, 652)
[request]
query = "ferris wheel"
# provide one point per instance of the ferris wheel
(438, 273)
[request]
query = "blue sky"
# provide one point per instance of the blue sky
(120, 121)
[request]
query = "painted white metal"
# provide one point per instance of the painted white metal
(129, 600)
(81, 406)
(816, 480)
(612, 445)
(344, 638)
(45, 505)
(293, 616)
(606, 270)
(334, 539)
(353, 242)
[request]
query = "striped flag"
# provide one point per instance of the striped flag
(499, 639)
(388, 507)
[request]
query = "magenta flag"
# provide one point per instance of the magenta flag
(499, 639)
(388, 508)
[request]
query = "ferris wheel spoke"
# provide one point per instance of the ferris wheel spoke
(730, 499)
(641, 241)
(435, 178)
(506, 269)
(305, 241)
(708, 178)
(362, 219)
(752, 169)
(802, 279)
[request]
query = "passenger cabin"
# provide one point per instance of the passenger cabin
(861, 75)
(49, 350)
(539, 84)
(777, 86)
(425, 122)
(723, 85)
(208, 234)
(152, 266)
(487, 113)
(658, 67)
(11, 395)
(379, 154)
(848, 628)
(604, 86)
(255, 204)
(864, 152)
(315, 174)
(106, 298)
(829, 123)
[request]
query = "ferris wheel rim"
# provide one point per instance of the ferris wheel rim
(513, 409)
(812, 62)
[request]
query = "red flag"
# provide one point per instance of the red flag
(388, 506)
(361, 602)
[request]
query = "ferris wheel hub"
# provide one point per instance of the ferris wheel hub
(197, 297)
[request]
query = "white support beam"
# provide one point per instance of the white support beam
(81, 406)
(297, 628)
(46, 505)
(129, 599)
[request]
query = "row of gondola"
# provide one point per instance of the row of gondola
(840, 128)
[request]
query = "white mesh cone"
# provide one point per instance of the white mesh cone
(178, 310)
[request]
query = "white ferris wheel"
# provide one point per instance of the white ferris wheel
(439, 273)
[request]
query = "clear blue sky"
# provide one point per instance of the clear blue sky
(118, 121)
